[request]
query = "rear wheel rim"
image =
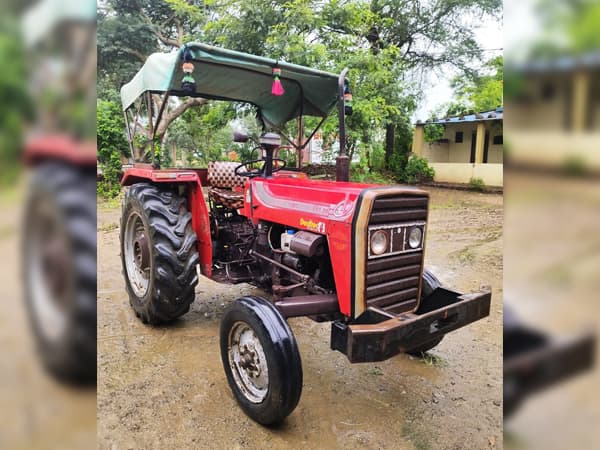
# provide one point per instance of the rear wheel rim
(136, 250)
(248, 362)
(49, 273)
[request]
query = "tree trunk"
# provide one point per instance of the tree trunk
(390, 135)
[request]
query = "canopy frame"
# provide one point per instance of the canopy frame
(301, 99)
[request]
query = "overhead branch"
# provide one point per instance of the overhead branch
(166, 40)
(175, 113)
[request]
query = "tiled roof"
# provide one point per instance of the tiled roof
(495, 114)
(565, 63)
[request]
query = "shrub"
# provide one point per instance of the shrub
(417, 170)
(574, 166)
(477, 184)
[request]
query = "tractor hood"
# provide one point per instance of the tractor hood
(311, 204)
(325, 200)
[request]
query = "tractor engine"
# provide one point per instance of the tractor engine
(296, 261)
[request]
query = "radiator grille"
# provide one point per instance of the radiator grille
(392, 282)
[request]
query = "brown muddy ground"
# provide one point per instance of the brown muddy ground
(165, 387)
(37, 412)
(552, 280)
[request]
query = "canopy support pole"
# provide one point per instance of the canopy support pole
(342, 162)
(300, 145)
(155, 160)
(129, 138)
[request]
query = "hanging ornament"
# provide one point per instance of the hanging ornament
(347, 99)
(277, 88)
(187, 54)
(188, 83)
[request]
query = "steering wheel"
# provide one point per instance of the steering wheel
(257, 172)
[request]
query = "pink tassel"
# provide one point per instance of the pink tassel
(277, 88)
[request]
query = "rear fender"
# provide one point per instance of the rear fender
(191, 179)
(61, 148)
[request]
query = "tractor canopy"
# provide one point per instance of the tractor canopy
(45, 15)
(222, 74)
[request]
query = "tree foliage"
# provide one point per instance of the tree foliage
(111, 145)
(15, 105)
(386, 44)
(569, 27)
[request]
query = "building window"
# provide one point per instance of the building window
(498, 139)
(458, 138)
(548, 91)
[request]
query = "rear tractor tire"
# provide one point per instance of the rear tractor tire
(59, 269)
(261, 360)
(158, 253)
(430, 284)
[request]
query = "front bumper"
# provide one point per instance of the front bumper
(376, 337)
(534, 361)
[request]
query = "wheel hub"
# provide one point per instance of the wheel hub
(141, 251)
(248, 362)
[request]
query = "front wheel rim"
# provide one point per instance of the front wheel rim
(136, 252)
(248, 362)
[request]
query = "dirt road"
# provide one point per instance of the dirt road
(165, 387)
(37, 411)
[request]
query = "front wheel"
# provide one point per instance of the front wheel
(261, 360)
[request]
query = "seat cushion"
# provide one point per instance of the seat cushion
(227, 198)
(221, 174)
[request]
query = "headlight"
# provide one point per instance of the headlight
(379, 242)
(414, 237)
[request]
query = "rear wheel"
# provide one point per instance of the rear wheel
(261, 360)
(59, 268)
(430, 284)
(158, 253)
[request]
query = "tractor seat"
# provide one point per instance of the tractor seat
(226, 188)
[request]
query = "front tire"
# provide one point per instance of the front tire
(158, 253)
(430, 283)
(261, 360)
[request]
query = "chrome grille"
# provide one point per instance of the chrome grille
(392, 282)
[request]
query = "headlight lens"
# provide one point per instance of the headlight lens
(379, 242)
(414, 237)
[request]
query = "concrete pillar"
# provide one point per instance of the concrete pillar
(479, 143)
(581, 85)
(418, 139)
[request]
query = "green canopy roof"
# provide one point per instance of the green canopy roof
(40, 19)
(228, 75)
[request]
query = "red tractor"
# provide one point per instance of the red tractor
(347, 253)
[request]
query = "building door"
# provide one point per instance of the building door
(486, 146)
(473, 146)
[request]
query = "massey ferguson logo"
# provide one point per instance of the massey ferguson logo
(319, 227)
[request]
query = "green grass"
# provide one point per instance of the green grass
(466, 255)
(10, 194)
(375, 371)
(419, 439)
(477, 184)
(430, 359)
(109, 203)
(574, 166)
(108, 227)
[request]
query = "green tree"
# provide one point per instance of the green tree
(112, 144)
(15, 105)
(480, 91)
(568, 27)
(386, 44)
